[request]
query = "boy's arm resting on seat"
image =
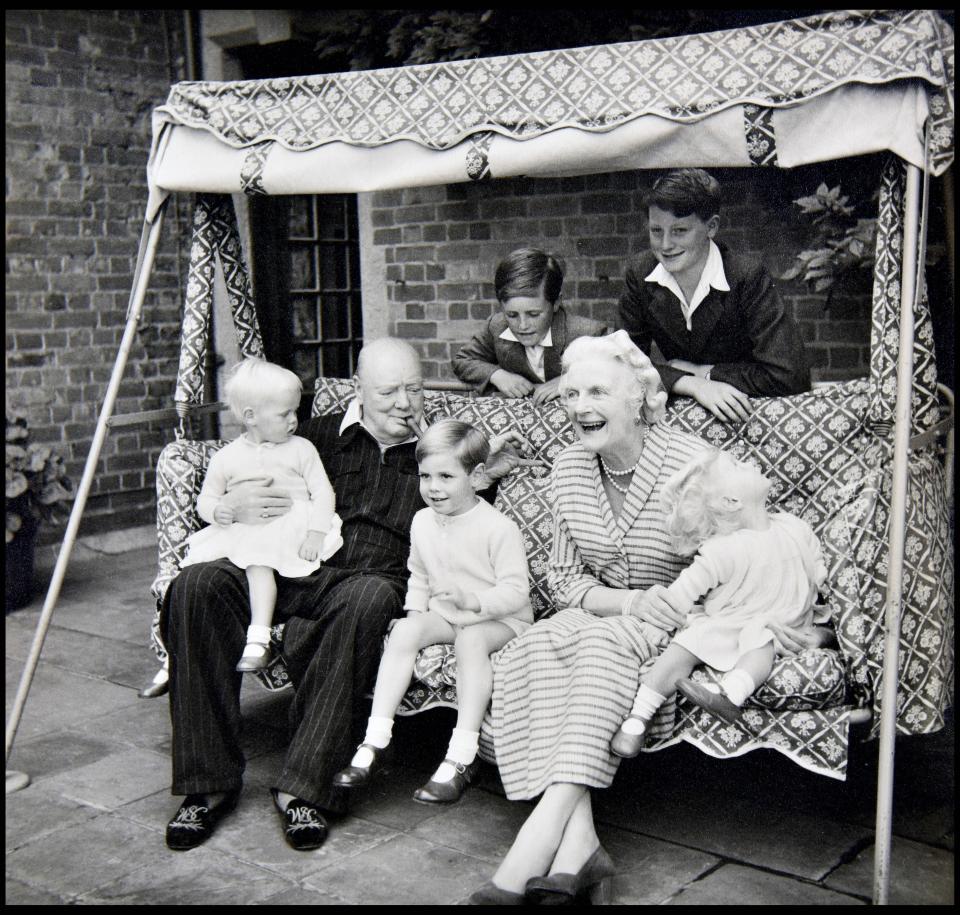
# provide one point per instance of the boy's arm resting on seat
(779, 366)
(476, 361)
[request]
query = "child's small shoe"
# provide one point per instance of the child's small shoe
(255, 657)
(717, 703)
(627, 744)
(355, 775)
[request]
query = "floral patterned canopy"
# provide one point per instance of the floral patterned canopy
(728, 98)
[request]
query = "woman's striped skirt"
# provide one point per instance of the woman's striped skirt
(560, 691)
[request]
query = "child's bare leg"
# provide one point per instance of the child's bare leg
(263, 601)
(657, 685)
(474, 644)
(408, 636)
(675, 662)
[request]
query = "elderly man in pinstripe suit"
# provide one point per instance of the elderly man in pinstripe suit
(335, 618)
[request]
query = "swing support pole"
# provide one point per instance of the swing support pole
(149, 242)
(909, 285)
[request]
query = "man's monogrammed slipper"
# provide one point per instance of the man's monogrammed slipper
(196, 821)
(304, 826)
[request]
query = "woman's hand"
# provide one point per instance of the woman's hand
(658, 606)
(794, 639)
(511, 384)
(255, 501)
(544, 393)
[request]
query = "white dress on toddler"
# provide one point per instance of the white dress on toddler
(750, 578)
(294, 467)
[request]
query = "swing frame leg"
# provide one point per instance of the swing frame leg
(149, 241)
(898, 521)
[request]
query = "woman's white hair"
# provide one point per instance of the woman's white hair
(251, 381)
(648, 395)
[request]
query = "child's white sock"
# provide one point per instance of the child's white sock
(738, 685)
(644, 707)
(379, 732)
(258, 635)
(462, 749)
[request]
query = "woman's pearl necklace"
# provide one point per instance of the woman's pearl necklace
(623, 490)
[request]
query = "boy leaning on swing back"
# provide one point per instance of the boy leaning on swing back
(714, 314)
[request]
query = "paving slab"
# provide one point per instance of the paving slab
(144, 723)
(19, 893)
(301, 895)
(732, 884)
(404, 871)
(650, 872)
(919, 874)
(120, 662)
(197, 877)
(481, 825)
(45, 756)
(59, 699)
(83, 857)
(115, 780)
(35, 812)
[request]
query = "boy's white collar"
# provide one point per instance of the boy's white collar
(713, 276)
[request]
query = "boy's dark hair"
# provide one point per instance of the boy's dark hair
(525, 272)
(467, 443)
(684, 191)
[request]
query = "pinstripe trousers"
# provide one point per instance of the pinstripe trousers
(336, 619)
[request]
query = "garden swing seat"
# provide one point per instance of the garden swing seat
(840, 84)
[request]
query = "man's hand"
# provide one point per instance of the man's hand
(544, 393)
(723, 400)
(310, 548)
(511, 384)
(255, 501)
(658, 606)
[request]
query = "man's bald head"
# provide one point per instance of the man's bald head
(389, 386)
(386, 349)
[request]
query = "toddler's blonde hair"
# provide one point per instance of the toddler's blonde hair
(251, 381)
(695, 512)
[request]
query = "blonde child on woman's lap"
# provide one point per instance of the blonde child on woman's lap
(758, 574)
(293, 543)
(468, 586)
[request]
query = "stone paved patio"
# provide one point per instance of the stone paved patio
(682, 828)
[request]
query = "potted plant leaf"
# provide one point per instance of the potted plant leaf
(37, 487)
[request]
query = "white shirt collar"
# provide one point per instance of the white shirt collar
(712, 276)
(546, 341)
(352, 416)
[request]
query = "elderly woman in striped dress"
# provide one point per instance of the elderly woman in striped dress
(562, 689)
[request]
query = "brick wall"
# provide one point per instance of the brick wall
(442, 244)
(80, 86)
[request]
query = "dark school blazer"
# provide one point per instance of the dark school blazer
(486, 352)
(745, 334)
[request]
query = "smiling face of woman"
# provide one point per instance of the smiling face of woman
(597, 396)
